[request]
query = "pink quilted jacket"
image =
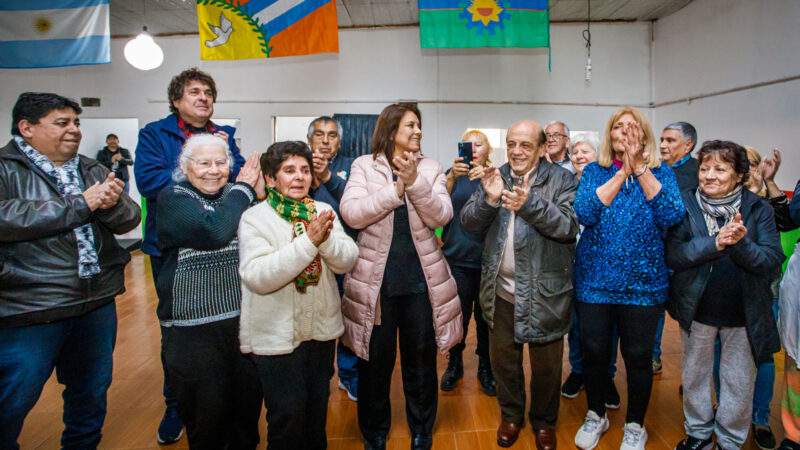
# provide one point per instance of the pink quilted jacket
(368, 204)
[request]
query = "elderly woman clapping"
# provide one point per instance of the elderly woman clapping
(291, 246)
(199, 295)
(724, 254)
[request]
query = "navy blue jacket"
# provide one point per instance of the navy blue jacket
(689, 251)
(157, 152)
(462, 248)
(794, 207)
(331, 191)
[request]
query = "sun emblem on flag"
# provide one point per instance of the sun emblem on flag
(43, 25)
(484, 15)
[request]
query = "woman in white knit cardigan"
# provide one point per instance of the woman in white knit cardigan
(290, 247)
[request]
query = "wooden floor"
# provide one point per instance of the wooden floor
(467, 419)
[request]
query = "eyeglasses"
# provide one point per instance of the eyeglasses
(206, 164)
(555, 136)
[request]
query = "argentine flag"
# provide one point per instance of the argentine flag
(53, 33)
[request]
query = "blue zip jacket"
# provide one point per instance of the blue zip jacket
(620, 256)
(157, 152)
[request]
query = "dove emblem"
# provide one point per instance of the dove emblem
(223, 31)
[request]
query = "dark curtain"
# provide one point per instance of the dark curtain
(356, 133)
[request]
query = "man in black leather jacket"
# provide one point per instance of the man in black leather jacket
(60, 269)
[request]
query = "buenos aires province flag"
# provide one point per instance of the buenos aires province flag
(483, 23)
(53, 33)
(253, 29)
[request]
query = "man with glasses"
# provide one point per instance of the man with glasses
(191, 95)
(557, 134)
(331, 171)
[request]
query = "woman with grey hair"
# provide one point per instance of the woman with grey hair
(583, 150)
(217, 388)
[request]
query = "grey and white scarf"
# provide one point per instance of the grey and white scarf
(69, 183)
(725, 207)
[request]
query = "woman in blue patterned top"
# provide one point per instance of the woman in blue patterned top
(626, 201)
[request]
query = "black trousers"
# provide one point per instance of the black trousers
(469, 286)
(507, 358)
(216, 387)
(412, 317)
(296, 389)
(637, 334)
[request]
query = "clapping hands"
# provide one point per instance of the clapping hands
(633, 141)
(405, 170)
(320, 227)
(731, 233)
(515, 198)
(250, 173)
(104, 195)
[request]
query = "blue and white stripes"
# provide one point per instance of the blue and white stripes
(54, 33)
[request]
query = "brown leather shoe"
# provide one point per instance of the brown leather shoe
(545, 439)
(507, 433)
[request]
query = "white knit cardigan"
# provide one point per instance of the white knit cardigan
(276, 318)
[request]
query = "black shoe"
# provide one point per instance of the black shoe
(486, 378)
(691, 443)
(572, 387)
(612, 396)
(786, 444)
(454, 372)
(375, 444)
(421, 442)
(763, 436)
(170, 429)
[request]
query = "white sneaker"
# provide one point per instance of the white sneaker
(635, 437)
(589, 434)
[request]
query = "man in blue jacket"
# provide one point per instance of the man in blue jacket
(330, 177)
(191, 96)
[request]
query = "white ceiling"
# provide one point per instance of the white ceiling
(180, 16)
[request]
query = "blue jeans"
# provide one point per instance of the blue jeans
(169, 397)
(80, 349)
(659, 332)
(765, 379)
(575, 354)
(347, 362)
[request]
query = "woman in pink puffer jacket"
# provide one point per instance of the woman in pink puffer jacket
(401, 281)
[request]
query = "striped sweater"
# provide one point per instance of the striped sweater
(199, 278)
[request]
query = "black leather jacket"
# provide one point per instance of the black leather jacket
(38, 251)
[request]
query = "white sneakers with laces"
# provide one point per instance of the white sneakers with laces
(589, 434)
(635, 437)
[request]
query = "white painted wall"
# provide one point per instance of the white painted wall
(373, 69)
(94, 138)
(714, 45)
(707, 46)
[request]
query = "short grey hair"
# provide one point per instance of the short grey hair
(687, 131)
(188, 150)
(589, 138)
(323, 119)
(566, 128)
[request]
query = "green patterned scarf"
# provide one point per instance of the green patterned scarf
(298, 213)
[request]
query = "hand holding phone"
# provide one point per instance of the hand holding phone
(465, 152)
